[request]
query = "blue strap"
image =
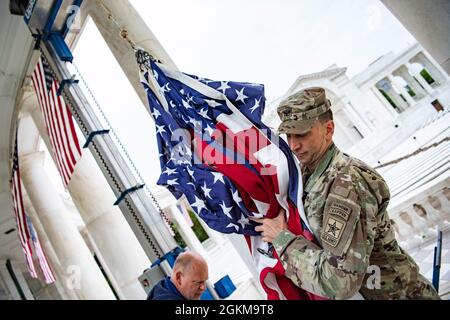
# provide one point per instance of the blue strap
(64, 83)
(129, 190)
(92, 135)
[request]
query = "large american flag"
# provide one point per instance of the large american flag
(58, 121)
(28, 238)
(215, 150)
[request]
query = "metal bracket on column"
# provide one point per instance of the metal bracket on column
(66, 82)
(38, 39)
(45, 18)
(92, 135)
(129, 190)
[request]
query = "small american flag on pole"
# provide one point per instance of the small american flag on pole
(25, 227)
(58, 121)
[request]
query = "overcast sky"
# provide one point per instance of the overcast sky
(272, 42)
(264, 41)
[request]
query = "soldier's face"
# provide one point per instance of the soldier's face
(311, 146)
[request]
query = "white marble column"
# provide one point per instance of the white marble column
(387, 86)
(422, 81)
(84, 276)
(49, 252)
(413, 84)
(387, 106)
(186, 231)
(107, 227)
(363, 126)
(403, 90)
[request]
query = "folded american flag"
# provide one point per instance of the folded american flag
(215, 150)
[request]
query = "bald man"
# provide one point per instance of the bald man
(187, 282)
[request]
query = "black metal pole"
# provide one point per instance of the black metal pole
(437, 262)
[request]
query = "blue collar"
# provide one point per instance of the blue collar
(169, 285)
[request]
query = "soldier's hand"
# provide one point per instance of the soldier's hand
(270, 228)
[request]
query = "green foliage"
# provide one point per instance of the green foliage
(197, 228)
(388, 99)
(424, 73)
(178, 238)
(410, 91)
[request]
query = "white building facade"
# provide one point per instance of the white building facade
(397, 106)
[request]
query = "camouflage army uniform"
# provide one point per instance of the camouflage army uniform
(345, 203)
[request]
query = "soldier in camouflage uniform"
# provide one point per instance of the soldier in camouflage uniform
(345, 203)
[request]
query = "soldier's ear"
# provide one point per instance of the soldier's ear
(329, 127)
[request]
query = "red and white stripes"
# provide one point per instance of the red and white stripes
(21, 220)
(58, 121)
(43, 262)
(29, 239)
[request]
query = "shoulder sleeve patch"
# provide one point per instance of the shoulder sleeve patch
(340, 210)
(339, 220)
(333, 229)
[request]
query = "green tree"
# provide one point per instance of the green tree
(424, 73)
(178, 238)
(197, 228)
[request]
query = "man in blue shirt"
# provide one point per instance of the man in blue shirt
(190, 273)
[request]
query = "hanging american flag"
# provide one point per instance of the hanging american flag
(19, 212)
(58, 121)
(43, 262)
(27, 235)
(215, 150)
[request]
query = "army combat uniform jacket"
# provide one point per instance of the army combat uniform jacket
(345, 202)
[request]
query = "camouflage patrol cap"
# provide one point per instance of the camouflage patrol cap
(300, 111)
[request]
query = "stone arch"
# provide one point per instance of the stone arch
(399, 82)
(430, 72)
(408, 74)
(415, 68)
(404, 89)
